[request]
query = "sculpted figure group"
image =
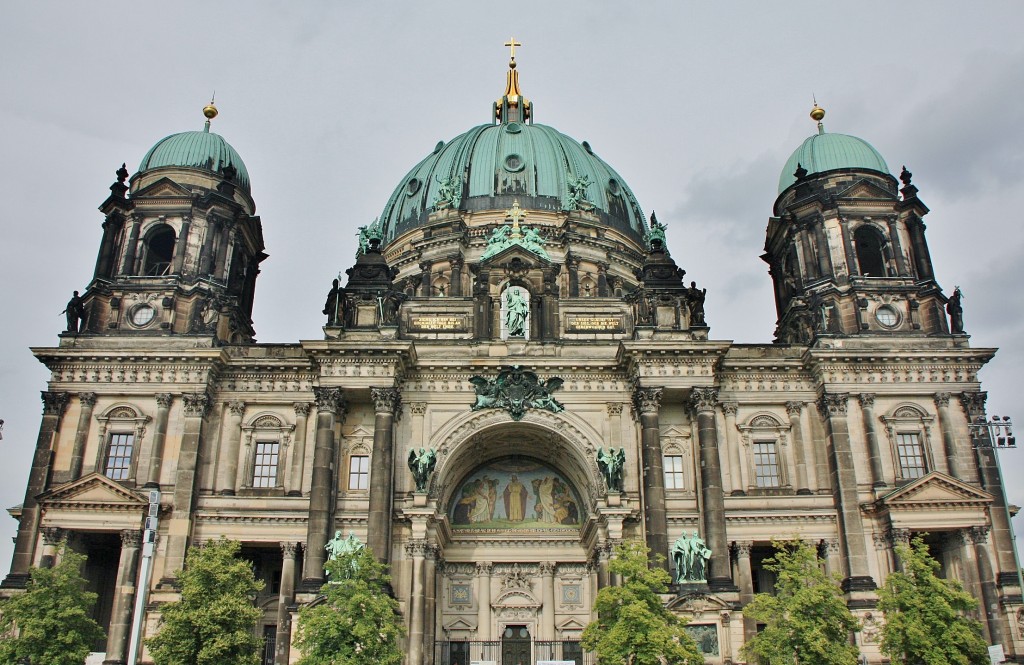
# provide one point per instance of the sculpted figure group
(690, 556)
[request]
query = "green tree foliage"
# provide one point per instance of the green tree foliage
(924, 614)
(357, 622)
(633, 626)
(807, 620)
(50, 624)
(214, 622)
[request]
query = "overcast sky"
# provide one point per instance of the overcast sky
(331, 103)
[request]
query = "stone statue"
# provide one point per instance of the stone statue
(695, 298)
(611, 464)
(533, 241)
(422, 464)
(956, 312)
(516, 390)
(389, 304)
(517, 308)
(578, 193)
(75, 312)
(498, 240)
(656, 233)
(690, 556)
(332, 308)
(338, 547)
(449, 192)
(370, 236)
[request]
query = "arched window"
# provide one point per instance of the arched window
(766, 438)
(159, 250)
(121, 430)
(909, 430)
(266, 440)
(869, 244)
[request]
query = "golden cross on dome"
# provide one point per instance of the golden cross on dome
(512, 44)
(516, 213)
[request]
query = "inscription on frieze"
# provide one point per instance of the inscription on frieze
(614, 323)
(438, 323)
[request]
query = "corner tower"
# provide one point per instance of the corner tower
(181, 245)
(846, 246)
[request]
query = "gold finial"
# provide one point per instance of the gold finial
(210, 111)
(817, 113)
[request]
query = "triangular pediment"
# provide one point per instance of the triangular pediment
(162, 187)
(865, 189)
(459, 624)
(935, 490)
(94, 491)
(513, 252)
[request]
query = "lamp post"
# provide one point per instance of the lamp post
(990, 436)
(145, 574)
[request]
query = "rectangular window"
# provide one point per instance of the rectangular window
(911, 454)
(673, 472)
(119, 456)
(359, 472)
(766, 464)
(264, 472)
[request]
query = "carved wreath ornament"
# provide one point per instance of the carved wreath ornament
(516, 390)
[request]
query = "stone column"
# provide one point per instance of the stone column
(330, 406)
(547, 584)
(574, 275)
(386, 405)
(793, 409)
(602, 555)
(746, 584)
(87, 402)
(897, 248)
(922, 259)
(867, 410)
(299, 450)
(702, 404)
(209, 240)
(124, 597)
(833, 561)
(824, 257)
(833, 407)
(181, 247)
(179, 529)
(602, 280)
(969, 570)
(131, 246)
(948, 440)
(737, 478)
(229, 453)
(282, 645)
(52, 537)
(163, 407)
(483, 601)
(819, 449)
(425, 267)
(417, 593)
(111, 226)
(647, 402)
(986, 575)
(430, 557)
(54, 404)
(455, 288)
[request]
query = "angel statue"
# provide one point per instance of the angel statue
(422, 464)
(486, 393)
(611, 464)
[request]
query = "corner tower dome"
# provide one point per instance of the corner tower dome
(828, 152)
(197, 149)
(489, 166)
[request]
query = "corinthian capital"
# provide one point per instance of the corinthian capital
(54, 403)
(647, 400)
(704, 400)
(196, 404)
(386, 400)
(833, 404)
(974, 403)
(329, 400)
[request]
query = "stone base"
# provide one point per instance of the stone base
(15, 581)
(859, 583)
(686, 588)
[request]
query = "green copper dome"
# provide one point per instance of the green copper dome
(201, 150)
(827, 152)
(494, 164)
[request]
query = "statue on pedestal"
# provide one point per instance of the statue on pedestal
(422, 464)
(690, 556)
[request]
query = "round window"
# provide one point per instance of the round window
(514, 163)
(513, 128)
(141, 315)
(413, 186)
(887, 316)
(613, 186)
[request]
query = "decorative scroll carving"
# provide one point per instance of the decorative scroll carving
(54, 403)
(614, 408)
(301, 408)
(163, 400)
(941, 399)
(87, 399)
(131, 538)
(794, 409)
(52, 535)
(974, 403)
(866, 400)
(289, 549)
(386, 400)
(647, 400)
(730, 408)
(237, 408)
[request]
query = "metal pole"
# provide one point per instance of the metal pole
(145, 573)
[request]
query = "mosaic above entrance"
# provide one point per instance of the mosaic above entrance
(515, 494)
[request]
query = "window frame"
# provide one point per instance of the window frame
(358, 454)
(774, 463)
(761, 428)
(909, 419)
(263, 428)
(120, 419)
(679, 474)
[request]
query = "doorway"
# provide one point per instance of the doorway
(516, 646)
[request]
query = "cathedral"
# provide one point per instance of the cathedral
(513, 377)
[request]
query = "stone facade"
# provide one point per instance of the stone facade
(852, 430)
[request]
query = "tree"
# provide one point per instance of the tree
(924, 614)
(50, 623)
(633, 626)
(357, 621)
(214, 622)
(806, 620)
